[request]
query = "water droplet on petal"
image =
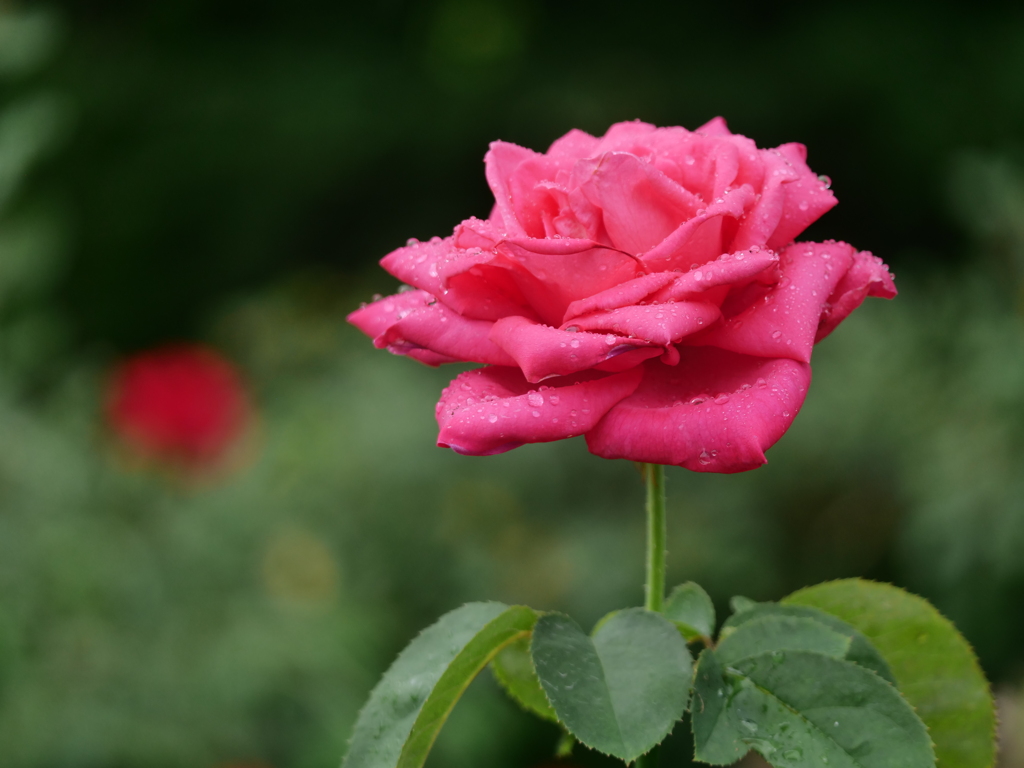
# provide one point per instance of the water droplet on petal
(492, 418)
(535, 399)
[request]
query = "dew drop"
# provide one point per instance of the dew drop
(762, 383)
(705, 459)
(535, 399)
(492, 418)
(825, 180)
(536, 414)
(776, 334)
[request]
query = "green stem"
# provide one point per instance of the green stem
(654, 588)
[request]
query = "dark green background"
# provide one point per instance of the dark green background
(231, 172)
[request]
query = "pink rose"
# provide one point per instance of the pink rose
(642, 289)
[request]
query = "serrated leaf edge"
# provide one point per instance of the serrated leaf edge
(506, 688)
(853, 664)
(976, 663)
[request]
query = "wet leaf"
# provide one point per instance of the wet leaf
(781, 633)
(801, 709)
(513, 669)
(398, 725)
(621, 691)
(690, 607)
(933, 664)
(862, 651)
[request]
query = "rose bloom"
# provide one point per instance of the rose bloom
(182, 404)
(642, 289)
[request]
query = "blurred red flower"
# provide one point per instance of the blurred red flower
(182, 403)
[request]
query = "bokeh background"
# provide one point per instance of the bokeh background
(229, 173)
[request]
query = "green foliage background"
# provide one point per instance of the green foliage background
(231, 172)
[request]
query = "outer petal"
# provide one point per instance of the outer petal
(440, 330)
(785, 321)
(542, 352)
(374, 319)
(663, 324)
(807, 199)
(716, 126)
(625, 135)
(867, 277)
(500, 163)
(493, 410)
(575, 145)
(417, 263)
(714, 412)
(640, 205)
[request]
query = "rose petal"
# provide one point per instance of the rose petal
(417, 263)
(534, 200)
(474, 281)
(784, 322)
(702, 238)
(716, 126)
(763, 219)
(806, 199)
(562, 271)
(500, 163)
(374, 319)
(727, 269)
(658, 323)
(575, 145)
(622, 136)
(541, 351)
(869, 276)
(621, 295)
(713, 412)
(475, 233)
(640, 206)
(494, 409)
(438, 329)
